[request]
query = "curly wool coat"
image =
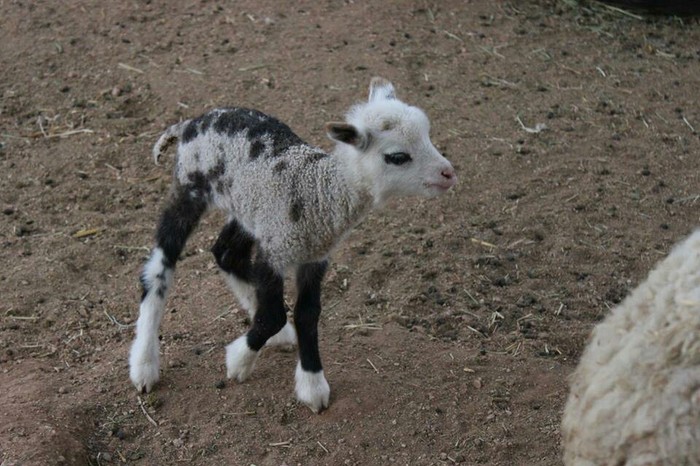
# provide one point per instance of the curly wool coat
(635, 396)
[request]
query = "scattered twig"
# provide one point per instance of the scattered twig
(41, 125)
(324, 448)
(143, 408)
(22, 317)
(504, 141)
(476, 331)
(453, 36)
(483, 243)
(116, 322)
(564, 67)
(227, 311)
(495, 316)
(494, 50)
(472, 297)
(692, 199)
(147, 134)
(124, 66)
(515, 347)
(373, 366)
(65, 134)
(661, 53)
(363, 325)
(685, 120)
(622, 12)
(32, 345)
(491, 81)
(86, 232)
(539, 127)
(253, 67)
(558, 311)
(285, 444)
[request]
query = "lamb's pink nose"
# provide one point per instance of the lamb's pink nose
(449, 175)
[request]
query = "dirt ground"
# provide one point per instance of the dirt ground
(450, 325)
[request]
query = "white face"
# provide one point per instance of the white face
(393, 146)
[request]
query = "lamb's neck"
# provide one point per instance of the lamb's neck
(353, 196)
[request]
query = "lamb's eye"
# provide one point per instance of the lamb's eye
(397, 158)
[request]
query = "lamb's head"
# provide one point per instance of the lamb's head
(388, 143)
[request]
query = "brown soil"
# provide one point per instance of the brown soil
(450, 325)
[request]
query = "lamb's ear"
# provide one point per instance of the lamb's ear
(346, 133)
(380, 88)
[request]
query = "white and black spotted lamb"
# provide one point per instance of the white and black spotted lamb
(288, 205)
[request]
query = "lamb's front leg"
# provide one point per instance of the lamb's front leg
(311, 386)
(269, 319)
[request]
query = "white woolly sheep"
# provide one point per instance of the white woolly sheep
(288, 205)
(635, 396)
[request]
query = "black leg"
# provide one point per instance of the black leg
(178, 220)
(271, 315)
(233, 250)
(307, 312)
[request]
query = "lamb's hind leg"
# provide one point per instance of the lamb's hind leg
(233, 251)
(269, 319)
(177, 222)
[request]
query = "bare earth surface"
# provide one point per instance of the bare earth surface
(450, 325)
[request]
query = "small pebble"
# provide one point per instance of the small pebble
(62, 390)
(220, 384)
(116, 91)
(174, 363)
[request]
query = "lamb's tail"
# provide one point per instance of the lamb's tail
(170, 136)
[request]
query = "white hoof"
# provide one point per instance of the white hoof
(285, 339)
(144, 365)
(312, 389)
(240, 359)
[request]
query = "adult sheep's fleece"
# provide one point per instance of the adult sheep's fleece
(635, 396)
